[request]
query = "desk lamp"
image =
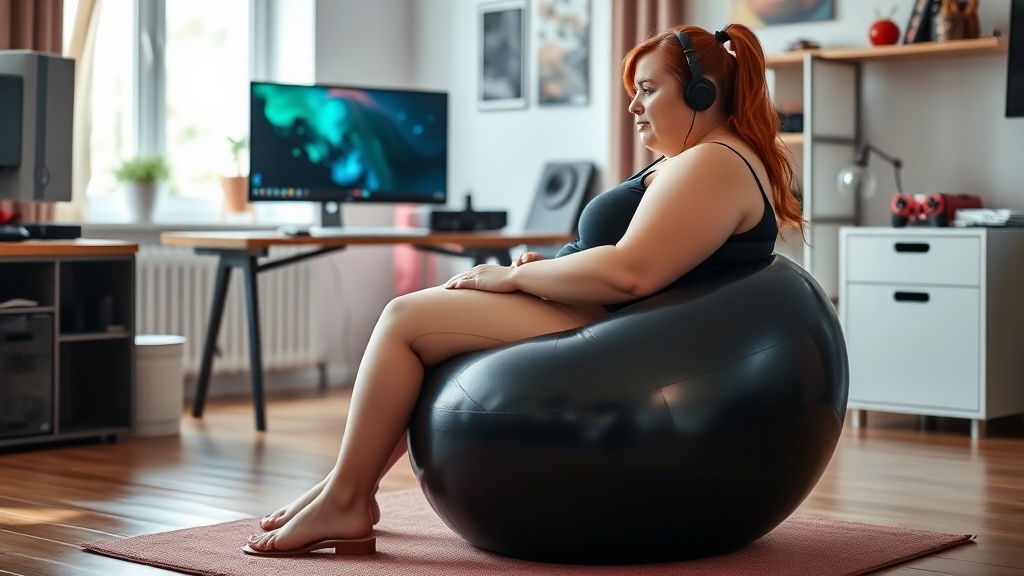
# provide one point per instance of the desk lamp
(858, 181)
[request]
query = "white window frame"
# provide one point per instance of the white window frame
(150, 82)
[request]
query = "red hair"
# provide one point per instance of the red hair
(741, 87)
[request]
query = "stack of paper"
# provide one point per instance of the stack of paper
(988, 217)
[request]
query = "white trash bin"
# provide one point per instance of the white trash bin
(159, 384)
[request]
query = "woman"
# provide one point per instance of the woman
(712, 200)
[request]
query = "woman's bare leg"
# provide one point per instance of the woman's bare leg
(283, 515)
(418, 329)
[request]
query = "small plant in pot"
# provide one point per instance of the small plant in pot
(139, 178)
(236, 186)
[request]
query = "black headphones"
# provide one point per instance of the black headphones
(699, 93)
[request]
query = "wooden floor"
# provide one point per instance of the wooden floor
(220, 469)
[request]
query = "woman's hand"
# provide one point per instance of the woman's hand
(527, 257)
(485, 277)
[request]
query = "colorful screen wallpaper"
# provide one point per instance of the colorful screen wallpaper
(347, 144)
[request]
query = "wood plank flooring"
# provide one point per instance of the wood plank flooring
(221, 469)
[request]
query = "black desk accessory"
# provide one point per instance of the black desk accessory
(467, 219)
(13, 233)
(53, 231)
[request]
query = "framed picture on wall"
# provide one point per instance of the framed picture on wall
(757, 13)
(502, 55)
(561, 35)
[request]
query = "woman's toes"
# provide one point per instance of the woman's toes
(268, 522)
(257, 541)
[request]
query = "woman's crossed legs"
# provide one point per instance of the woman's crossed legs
(418, 329)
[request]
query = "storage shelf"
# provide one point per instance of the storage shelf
(75, 384)
(989, 46)
(29, 310)
(93, 336)
(67, 434)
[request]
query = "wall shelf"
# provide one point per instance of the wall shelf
(825, 86)
(988, 46)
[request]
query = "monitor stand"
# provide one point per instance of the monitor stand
(330, 214)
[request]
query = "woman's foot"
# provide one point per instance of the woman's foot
(318, 520)
(282, 516)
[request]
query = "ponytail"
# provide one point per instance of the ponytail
(755, 118)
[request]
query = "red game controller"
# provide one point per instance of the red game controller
(933, 209)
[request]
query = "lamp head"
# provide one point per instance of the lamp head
(857, 181)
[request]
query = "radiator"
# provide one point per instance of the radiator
(174, 292)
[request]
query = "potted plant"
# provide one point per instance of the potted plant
(236, 186)
(139, 177)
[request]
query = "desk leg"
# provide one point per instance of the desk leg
(220, 295)
(483, 255)
(250, 269)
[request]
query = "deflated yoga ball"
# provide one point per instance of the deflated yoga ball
(688, 424)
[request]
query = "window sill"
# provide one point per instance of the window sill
(150, 233)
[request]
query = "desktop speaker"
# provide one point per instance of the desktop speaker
(43, 172)
(560, 197)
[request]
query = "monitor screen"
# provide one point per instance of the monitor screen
(347, 144)
(1015, 62)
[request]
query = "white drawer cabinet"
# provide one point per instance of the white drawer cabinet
(934, 321)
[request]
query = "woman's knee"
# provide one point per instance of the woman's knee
(405, 309)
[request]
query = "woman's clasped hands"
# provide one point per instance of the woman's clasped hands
(490, 277)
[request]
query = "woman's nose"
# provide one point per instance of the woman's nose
(634, 105)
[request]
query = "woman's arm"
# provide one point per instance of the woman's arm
(697, 200)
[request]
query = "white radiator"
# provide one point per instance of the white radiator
(174, 292)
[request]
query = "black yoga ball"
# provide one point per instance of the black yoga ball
(688, 424)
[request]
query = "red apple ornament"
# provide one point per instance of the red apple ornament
(884, 31)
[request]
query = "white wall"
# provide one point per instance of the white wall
(943, 118)
(498, 156)
(367, 44)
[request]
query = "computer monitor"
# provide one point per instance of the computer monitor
(335, 144)
(1015, 62)
(37, 92)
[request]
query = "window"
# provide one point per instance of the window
(172, 77)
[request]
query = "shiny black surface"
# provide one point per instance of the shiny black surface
(686, 425)
(13, 233)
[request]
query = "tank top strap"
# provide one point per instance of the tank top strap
(749, 167)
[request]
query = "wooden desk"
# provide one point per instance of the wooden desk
(57, 248)
(244, 249)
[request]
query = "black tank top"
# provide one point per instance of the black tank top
(605, 219)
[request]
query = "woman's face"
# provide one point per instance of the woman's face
(662, 116)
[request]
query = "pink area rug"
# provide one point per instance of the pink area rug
(412, 540)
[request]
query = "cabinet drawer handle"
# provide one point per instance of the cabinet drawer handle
(18, 337)
(910, 296)
(912, 247)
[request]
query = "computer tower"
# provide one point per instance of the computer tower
(43, 171)
(26, 374)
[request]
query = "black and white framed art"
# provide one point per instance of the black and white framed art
(503, 41)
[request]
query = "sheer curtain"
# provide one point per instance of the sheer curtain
(31, 25)
(80, 48)
(632, 23)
